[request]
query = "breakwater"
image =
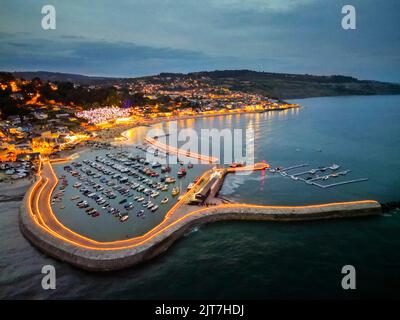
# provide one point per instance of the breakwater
(112, 256)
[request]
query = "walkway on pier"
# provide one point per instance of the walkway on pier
(255, 167)
(169, 149)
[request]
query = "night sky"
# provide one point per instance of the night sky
(143, 37)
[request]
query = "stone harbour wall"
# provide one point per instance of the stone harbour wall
(107, 260)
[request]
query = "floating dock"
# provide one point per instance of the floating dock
(312, 181)
(339, 183)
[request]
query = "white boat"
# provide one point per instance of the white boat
(169, 180)
(156, 165)
(175, 191)
(124, 218)
(165, 200)
(190, 186)
(334, 166)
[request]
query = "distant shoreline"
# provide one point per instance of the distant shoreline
(284, 86)
(291, 100)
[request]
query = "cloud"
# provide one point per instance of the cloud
(77, 54)
(261, 5)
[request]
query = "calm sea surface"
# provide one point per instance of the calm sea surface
(256, 259)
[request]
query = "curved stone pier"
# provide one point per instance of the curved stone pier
(46, 233)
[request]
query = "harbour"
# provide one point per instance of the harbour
(224, 237)
(41, 226)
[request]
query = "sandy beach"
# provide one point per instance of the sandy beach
(14, 190)
(109, 134)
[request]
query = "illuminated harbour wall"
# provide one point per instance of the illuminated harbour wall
(122, 254)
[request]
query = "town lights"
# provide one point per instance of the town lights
(101, 116)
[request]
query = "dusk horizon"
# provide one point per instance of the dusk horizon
(149, 37)
(186, 73)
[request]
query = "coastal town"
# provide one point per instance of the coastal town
(43, 118)
(199, 158)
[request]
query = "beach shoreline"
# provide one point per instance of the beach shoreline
(110, 134)
(14, 190)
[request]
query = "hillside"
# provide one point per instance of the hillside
(276, 85)
(59, 76)
(289, 86)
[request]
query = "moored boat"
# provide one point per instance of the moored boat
(124, 218)
(175, 191)
(190, 186)
(181, 172)
(140, 213)
(165, 169)
(165, 200)
(169, 180)
(95, 214)
(156, 165)
(334, 166)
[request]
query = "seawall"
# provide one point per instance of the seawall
(114, 259)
